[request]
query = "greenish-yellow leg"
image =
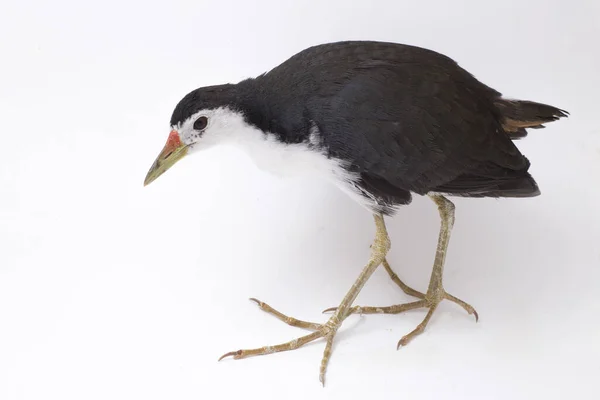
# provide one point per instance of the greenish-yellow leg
(327, 330)
(435, 293)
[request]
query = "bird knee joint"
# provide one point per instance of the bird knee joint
(382, 245)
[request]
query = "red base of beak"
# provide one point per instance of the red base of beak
(173, 142)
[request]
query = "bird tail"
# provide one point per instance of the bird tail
(517, 115)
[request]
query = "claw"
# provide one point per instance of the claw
(407, 338)
(329, 310)
(258, 302)
(234, 354)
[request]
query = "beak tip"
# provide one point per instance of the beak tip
(148, 181)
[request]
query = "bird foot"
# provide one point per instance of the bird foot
(427, 301)
(326, 330)
(430, 300)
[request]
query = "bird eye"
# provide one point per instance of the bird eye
(200, 123)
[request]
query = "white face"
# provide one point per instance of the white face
(207, 128)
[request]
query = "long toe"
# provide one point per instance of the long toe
(327, 330)
(468, 308)
(282, 317)
(400, 308)
(261, 351)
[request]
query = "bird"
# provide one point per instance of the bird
(383, 122)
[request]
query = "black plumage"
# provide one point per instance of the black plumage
(405, 119)
(383, 120)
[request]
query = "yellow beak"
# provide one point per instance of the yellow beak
(173, 151)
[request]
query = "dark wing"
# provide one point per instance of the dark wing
(422, 127)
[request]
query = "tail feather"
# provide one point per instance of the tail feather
(519, 115)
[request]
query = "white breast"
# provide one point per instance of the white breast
(291, 159)
(303, 159)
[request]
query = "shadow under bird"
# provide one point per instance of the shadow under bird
(382, 121)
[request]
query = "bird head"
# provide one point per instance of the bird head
(201, 119)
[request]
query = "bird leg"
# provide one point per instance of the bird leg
(327, 330)
(435, 293)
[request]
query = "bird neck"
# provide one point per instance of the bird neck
(271, 112)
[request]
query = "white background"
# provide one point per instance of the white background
(109, 290)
